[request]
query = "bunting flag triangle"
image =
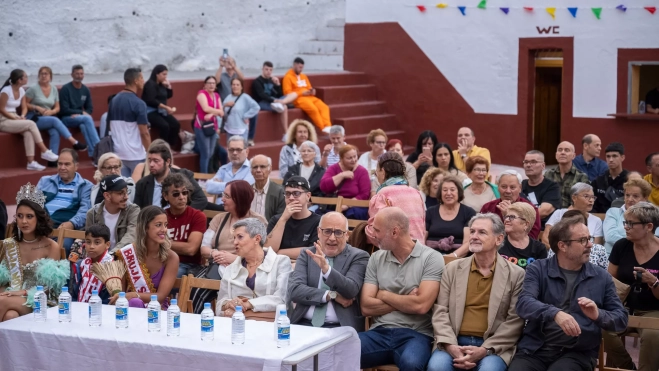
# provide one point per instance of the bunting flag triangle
(441, 5)
(651, 9)
(597, 12)
(573, 11)
(505, 10)
(482, 4)
(528, 8)
(463, 10)
(421, 8)
(621, 7)
(552, 12)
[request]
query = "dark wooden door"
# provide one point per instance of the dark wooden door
(547, 111)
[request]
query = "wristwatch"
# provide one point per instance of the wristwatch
(490, 351)
(332, 295)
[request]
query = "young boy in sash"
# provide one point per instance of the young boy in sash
(97, 243)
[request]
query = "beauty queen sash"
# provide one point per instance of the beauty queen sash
(13, 259)
(90, 281)
(139, 279)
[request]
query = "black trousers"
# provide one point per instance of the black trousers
(551, 360)
(168, 127)
(306, 322)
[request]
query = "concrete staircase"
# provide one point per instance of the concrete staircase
(326, 51)
(353, 102)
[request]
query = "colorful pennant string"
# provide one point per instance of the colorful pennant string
(573, 11)
(505, 10)
(597, 12)
(463, 10)
(651, 9)
(552, 12)
(482, 4)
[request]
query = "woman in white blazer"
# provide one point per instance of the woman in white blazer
(258, 280)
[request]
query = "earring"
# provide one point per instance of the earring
(19, 235)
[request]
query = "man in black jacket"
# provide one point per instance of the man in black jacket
(148, 191)
(608, 186)
(266, 90)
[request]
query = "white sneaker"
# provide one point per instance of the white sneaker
(326, 130)
(35, 166)
(277, 107)
(49, 156)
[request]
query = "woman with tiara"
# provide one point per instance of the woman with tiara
(30, 258)
(151, 264)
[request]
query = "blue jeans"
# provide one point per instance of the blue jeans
(408, 349)
(442, 361)
(184, 269)
(206, 147)
(86, 124)
(128, 166)
(55, 129)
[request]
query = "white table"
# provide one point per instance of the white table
(29, 345)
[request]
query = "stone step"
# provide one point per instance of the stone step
(347, 93)
(324, 61)
(322, 47)
(325, 33)
(336, 22)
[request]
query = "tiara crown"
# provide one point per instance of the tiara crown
(31, 193)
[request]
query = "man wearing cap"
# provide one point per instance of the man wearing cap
(115, 212)
(297, 227)
(608, 186)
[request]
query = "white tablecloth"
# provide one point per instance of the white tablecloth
(29, 345)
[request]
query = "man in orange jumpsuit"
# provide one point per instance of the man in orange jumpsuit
(297, 82)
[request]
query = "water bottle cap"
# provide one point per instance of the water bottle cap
(122, 294)
(39, 288)
(94, 292)
(174, 302)
(283, 311)
(65, 289)
(239, 309)
(154, 297)
(207, 305)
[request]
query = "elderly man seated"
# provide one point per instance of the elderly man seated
(268, 195)
(400, 287)
(328, 277)
(566, 302)
(475, 322)
(297, 227)
(510, 185)
(237, 169)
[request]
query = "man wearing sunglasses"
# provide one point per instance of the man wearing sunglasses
(185, 225)
(115, 212)
(297, 227)
(328, 277)
(567, 302)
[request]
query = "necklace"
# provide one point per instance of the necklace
(31, 241)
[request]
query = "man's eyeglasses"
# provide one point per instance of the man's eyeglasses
(295, 194)
(117, 167)
(328, 232)
(532, 162)
(235, 150)
(629, 224)
(176, 194)
(513, 217)
(583, 240)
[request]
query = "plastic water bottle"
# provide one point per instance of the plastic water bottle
(121, 311)
(153, 310)
(641, 107)
(95, 310)
(174, 319)
(238, 326)
(207, 323)
(64, 305)
(40, 308)
(283, 330)
(280, 307)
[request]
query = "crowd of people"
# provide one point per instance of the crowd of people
(534, 262)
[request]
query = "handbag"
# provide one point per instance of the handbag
(227, 113)
(208, 127)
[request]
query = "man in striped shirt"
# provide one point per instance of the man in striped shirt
(330, 155)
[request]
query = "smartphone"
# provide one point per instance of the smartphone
(225, 53)
(427, 152)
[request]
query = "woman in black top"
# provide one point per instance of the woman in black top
(421, 162)
(518, 247)
(446, 223)
(638, 253)
(155, 94)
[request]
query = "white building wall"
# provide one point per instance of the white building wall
(185, 35)
(478, 53)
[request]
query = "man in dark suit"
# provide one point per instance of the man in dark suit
(268, 196)
(148, 191)
(328, 277)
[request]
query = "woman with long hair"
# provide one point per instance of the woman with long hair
(161, 116)
(12, 96)
(108, 164)
(442, 157)
(208, 107)
(421, 158)
(150, 260)
(429, 186)
(30, 258)
(240, 108)
(43, 103)
(299, 131)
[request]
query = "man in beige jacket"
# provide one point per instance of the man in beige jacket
(474, 319)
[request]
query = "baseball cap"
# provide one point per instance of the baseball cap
(113, 183)
(298, 182)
